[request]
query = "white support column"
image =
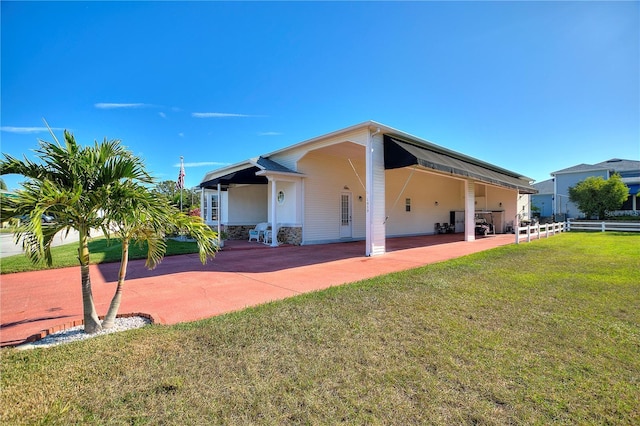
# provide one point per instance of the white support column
(207, 200)
(219, 214)
(469, 211)
(274, 219)
(375, 196)
(202, 209)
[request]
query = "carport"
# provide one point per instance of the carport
(474, 176)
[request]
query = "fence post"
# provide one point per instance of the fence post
(568, 225)
(603, 227)
(529, 233)
(517, 229)
(546, 228)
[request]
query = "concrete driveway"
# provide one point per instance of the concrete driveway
(182, 289)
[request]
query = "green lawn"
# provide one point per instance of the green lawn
(102, 251)
(540, 333)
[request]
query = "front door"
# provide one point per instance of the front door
(345, 215)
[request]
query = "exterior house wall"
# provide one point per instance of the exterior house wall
(523, 206)
(293, 155)
(493, 198)
(423, 190)
(563, 182)
(288, 212)
(325, 179)
(544, 202)
(503, 202)
(247, 205)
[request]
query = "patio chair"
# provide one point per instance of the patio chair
(440, 229)
(257, 233)
(268, 236)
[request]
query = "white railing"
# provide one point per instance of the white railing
(603, 226)
(538, 231)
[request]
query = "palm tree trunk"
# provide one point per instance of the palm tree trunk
(91, 320)
(117, 297)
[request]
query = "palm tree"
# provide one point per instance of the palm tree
(75, 184)
(138, 214)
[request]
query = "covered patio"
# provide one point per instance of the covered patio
(367, 182)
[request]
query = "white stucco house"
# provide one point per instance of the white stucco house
(365, 182)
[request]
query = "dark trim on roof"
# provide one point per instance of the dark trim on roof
(398, 154)
(269, 165)
(249, 175)
(244, 176)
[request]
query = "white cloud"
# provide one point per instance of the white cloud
(26, 130)
(269, 134)
(162, 114)
(181, 134)
(218, 115)
(107, 105)
(202, 164)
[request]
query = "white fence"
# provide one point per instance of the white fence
(538, 231)
(603, 226)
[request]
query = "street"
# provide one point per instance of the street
(9, 248)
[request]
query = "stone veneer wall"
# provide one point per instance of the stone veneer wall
(290, 235)
(238, 232)
(286, 234)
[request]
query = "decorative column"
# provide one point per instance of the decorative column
(202, 209)
(219, 215)
(375, 196)
(469, 211)
(274, 208)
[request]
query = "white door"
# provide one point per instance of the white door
(345, 215)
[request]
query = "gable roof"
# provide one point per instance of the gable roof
(544, 187)
(247, 172)
(614, 164)
(423, 152)
(268, 165)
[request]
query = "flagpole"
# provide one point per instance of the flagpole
(181, 186)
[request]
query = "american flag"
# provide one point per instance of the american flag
(180, 182)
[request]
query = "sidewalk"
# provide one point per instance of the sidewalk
(181, 289)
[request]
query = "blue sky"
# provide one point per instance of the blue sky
(533, 87)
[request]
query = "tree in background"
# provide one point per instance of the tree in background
(596, 196)
(3, 186)
(190, 198)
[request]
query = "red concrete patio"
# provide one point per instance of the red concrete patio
(244, 274)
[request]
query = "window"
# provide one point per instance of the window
(344, 210)
(214, 208)
(280, 197)
(407, 204)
